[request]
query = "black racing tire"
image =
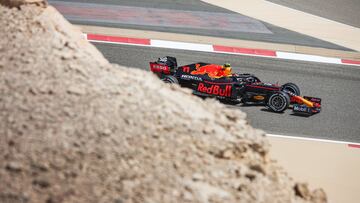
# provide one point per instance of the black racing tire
(170, 79)
(291, 87)
(278, 102)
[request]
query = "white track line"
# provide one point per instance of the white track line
(118, 43)
(307, 57)
(181, 45)
(244, 54)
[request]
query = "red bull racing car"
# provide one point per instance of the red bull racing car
(212, 80)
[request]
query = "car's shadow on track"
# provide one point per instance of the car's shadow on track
(264, 109)
(270, 111)
(300, 115)
(291, 114)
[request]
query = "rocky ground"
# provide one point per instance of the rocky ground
(75, 128)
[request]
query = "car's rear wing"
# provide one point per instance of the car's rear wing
(159, 68)
(164, 65)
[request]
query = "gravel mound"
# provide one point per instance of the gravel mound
(75, 128)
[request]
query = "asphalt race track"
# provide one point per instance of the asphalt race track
(337, 85)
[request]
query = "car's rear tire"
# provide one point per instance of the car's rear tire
(170, 79)
(278, 102)
(291, 87)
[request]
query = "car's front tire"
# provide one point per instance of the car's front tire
(278, 102)
(291, 87)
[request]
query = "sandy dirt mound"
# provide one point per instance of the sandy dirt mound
(75, 128)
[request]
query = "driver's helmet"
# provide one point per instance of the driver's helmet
(227, 68)
(226, 65)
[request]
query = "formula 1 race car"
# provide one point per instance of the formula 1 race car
(234, 88)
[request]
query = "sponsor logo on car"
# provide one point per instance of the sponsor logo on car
(224, 91)
(163, 59)
(158, 68)
(301, 108)
(259, 97)
(186, 69)
(191, 77)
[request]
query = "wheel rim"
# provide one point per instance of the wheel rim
(277, 102)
